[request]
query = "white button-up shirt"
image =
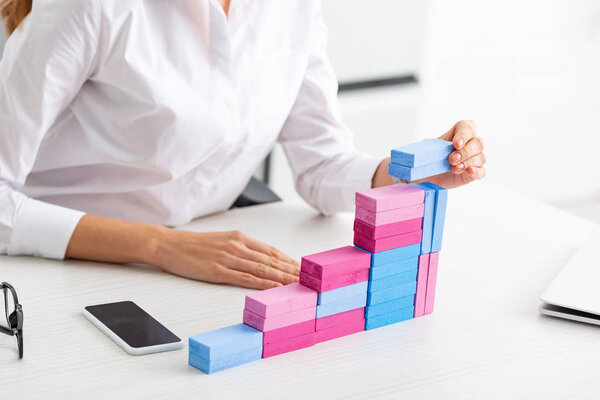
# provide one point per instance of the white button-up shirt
(160, 111)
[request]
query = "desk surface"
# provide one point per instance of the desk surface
(485, 339)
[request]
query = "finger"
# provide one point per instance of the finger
(257, 245)
(464, 131)
(477, 160)
(246, 280)
(472, 148)
(272, 262)
(262, 270)
(476, 172)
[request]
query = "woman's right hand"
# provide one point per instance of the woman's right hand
(223, 257)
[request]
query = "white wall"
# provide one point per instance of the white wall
(529, 73)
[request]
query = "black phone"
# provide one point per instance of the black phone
(132, 328)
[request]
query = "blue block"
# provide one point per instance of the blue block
(390, 318)
(393, 280)
(344, 292)
(428, 217)
(441, 201)
(421, 153)
(228, 361)
(352, 303)
(393, 268)
(381, 296)
(225, 341)
(389, 306)
(425, 171)
(397, 254)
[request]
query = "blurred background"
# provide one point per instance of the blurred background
(528, 72)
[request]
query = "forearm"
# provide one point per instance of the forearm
(111, 240)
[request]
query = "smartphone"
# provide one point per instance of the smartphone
(132, 328)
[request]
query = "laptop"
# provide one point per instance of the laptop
(575, 292)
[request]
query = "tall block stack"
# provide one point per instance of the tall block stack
(340, 277)
(286, 317)
(388, 225)
(388, 276)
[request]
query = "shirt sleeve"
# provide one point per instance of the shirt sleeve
(327, 168)
(45, 63)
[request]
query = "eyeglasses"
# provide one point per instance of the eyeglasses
(14, 315)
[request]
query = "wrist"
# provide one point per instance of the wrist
(154, 245)
(381, 176)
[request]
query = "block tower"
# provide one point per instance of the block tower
(388, 276)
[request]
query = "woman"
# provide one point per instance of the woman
(121, 117)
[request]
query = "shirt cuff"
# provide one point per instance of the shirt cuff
(43, 230)
(359, 177)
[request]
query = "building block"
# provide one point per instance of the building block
(428, 217)
(340, 319)
(225, 362)
(390, 256)
(431, 281)
(381, 296)
(396, 267)
(342, 293)
(392, 280)
(389, 306)
(352, 303)
(225, 341)
(285, 346)
(333, 282)
(390, 216)
(280, 300)
(441, 202)
(421, 285)
(381, 231)
(390, 318)
(421, 153)
(335, 262)
(389, 197)
(278, 321)
(388, 243)
(288, 332)
(340, 330)
(412, 174)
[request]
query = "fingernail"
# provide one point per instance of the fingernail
(460, 166)
(296, 279)
(460, 142)
(457, 157)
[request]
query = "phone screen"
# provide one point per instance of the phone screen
(135, 326)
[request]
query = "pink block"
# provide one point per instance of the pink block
(389, 197)
(333, 282)
(341, 330)
(289, 332)
(285, 346)
(421, 285)
(381, 231)
(388, 217)
(339, 319)
(431, 279)
(279, 321)
(335, 262)
(280, 300)
(388, 243)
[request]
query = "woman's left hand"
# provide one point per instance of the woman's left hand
(468, 158)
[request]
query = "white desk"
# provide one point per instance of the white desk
(485, 339)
